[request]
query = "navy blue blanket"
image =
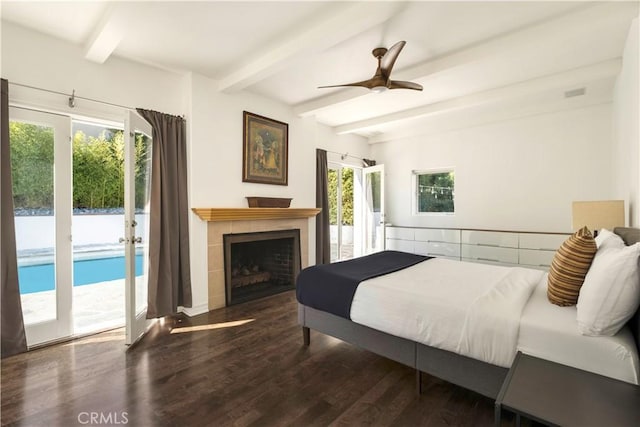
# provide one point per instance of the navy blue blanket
(331, 287)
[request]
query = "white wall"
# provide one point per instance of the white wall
(626, 158)
(519, 174)
(216, 143)
(215, 180)
(37, 60)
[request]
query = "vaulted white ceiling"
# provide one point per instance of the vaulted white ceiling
(469, 56)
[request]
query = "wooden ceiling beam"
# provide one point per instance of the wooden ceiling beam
(339, 22)
(108, 33)
(560, 81)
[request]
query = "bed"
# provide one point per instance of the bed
(485, 336)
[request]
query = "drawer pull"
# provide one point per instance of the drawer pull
(488, 259)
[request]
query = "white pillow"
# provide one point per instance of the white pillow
(607, 239)
(610, 294)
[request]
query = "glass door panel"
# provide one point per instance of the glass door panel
(98, 215)
(334, 211)
(346, 213)
(137, 170)
(142, 204)
(40, 165)
(374, 209)
(341, 211)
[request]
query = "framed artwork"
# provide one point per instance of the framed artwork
(265, 150)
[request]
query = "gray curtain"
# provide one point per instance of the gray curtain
(169, 274)
(13, 338)
(323, 241)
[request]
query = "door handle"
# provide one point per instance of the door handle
(133, 241)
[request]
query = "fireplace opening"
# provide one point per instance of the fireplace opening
(260, 264)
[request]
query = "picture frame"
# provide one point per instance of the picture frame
(265, 150)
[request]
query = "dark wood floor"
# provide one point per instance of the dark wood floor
(243, 365)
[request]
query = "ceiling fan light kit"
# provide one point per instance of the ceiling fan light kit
(381, 80)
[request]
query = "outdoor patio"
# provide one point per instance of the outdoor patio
(96, 307)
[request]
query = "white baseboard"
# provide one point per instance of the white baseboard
(196, 310)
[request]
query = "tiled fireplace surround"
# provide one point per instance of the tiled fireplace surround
(215, 247)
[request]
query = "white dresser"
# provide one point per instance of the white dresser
(536, 250)
(437, 242)
(491, 247)
(510, 248)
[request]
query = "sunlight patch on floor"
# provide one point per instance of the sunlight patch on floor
(96, 339)
(212, 326)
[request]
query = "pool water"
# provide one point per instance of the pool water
(41, 277)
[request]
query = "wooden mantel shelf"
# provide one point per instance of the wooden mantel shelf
(238, 214)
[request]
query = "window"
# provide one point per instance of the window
(434, 191)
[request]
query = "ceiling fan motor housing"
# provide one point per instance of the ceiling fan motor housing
(379, 52)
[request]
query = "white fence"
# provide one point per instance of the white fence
(38, 232)
(347, 234)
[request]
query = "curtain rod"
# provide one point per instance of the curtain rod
(72, 96)
(344, 155)
(366, 162)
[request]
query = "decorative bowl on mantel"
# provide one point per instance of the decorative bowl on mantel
(268, 202)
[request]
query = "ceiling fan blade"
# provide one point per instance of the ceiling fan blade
(344, 85)
(389, 58)
(396, 84)
(365, 83)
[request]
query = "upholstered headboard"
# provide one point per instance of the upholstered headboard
(630, 237)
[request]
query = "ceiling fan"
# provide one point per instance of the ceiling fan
(381, 80)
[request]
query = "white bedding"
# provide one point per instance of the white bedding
(501, 310)
(436, 304)
(551, 332)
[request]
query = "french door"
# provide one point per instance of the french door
(373, 180)
(59, 282)
(137, 165)
(356, 210)
(42, 193)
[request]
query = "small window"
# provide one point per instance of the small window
(434, 191)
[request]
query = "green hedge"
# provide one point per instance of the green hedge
(98, 168)
(98, 171)
(347, 196)
(31, 165)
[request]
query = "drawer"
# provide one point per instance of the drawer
(439, 249)
(549, 242)
(490, 238)
(434, 235)
(490, 253)
(400, 245)
(501, 264)
(399, 233)
(535, 258)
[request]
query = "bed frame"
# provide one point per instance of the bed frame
(472, 374)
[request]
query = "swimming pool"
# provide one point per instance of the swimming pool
(41, 277)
